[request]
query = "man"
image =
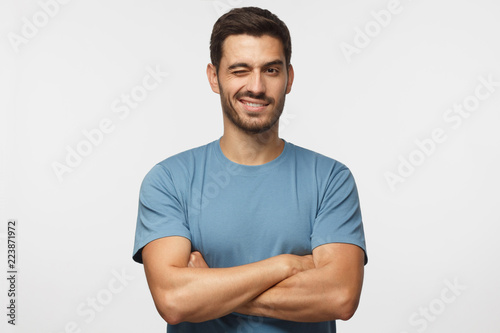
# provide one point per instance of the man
(251, 233)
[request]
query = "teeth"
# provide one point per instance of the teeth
(253, 104)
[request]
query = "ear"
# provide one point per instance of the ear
(213, 80)
(290, 79)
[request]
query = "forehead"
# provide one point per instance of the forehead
(251, 49)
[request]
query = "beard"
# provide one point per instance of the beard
(248, 123)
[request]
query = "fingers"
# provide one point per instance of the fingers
(196, 260)
(191, 261)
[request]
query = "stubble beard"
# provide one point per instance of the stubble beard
(247, 125)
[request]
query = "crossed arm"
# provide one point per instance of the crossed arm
(323, 286)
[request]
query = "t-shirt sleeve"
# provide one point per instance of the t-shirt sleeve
(160, 213)
(339, 215)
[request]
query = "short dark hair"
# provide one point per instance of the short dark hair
(251, 21)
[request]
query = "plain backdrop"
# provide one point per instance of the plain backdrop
(371, 90)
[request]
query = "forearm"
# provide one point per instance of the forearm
(306, 297)
(200, 294)
(302, 297)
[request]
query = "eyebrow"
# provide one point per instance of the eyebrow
(245, 65)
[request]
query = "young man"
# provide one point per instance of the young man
(251, 233)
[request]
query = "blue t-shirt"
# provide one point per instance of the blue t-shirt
(237, 214)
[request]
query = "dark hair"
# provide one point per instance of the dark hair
(252, 21)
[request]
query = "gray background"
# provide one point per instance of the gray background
(438, 227)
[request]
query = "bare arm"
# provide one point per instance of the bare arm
(183, 292)
(328, 292)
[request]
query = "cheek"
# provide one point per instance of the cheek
(233, 87)
(279, 89)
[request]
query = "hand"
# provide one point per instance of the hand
(295, 264)
(196, 260)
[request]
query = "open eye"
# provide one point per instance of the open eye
(272, 71)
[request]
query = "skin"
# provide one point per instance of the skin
(323, 286)
(183, 292)
(252, 69)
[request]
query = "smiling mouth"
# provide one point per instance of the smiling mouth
(254, 107)
(253, 104)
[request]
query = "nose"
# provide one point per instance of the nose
(256, 83)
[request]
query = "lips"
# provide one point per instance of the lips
(253, 106)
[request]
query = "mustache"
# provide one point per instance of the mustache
(261, 96)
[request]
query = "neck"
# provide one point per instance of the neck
(252, 149)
